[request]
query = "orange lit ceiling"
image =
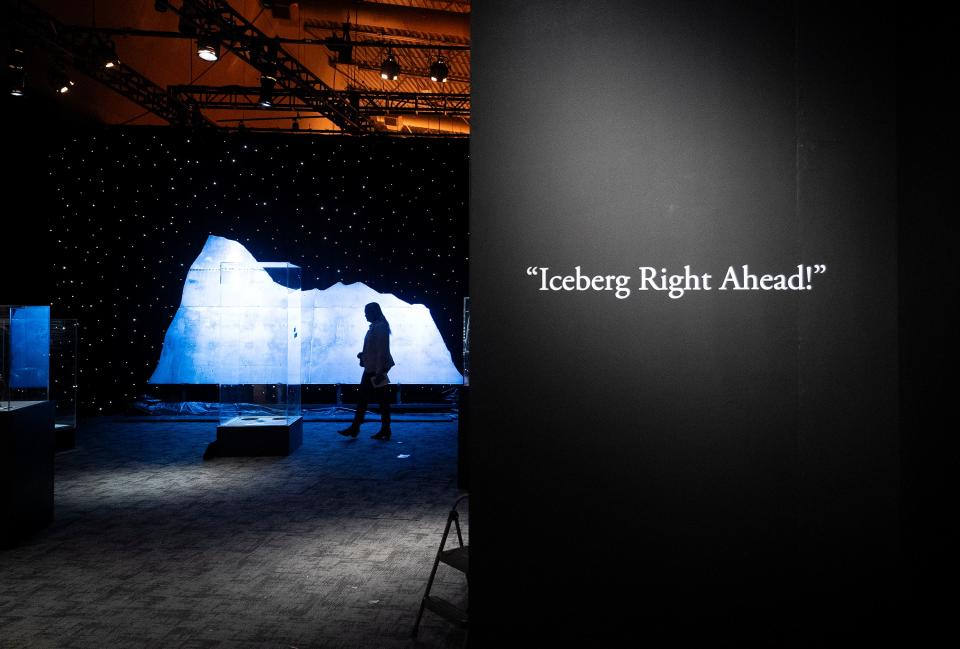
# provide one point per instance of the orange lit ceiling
(323, 85)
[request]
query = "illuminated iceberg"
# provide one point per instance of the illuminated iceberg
(332, 326)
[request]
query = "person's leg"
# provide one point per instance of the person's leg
(363, 399)
(383, 397)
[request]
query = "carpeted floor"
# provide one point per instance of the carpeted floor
(153, 547)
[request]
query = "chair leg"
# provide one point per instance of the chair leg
(416, 625)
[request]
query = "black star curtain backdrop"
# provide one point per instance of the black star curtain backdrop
(130, 209)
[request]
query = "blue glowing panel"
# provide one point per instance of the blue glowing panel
(331, 331)
(30, 347)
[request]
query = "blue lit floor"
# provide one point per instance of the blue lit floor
(153, 547)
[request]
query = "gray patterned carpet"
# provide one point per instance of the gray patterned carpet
(153, 547)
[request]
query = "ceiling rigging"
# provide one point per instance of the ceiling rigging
(337, 66)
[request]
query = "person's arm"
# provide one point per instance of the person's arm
(378, 347)
(378, 357)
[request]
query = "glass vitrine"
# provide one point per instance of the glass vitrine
(466, 341)
(24, 355)
(259, 338)
(63, 370)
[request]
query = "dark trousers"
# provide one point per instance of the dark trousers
(369, 394)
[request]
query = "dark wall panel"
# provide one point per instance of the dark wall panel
(847, 207)
(702, 452)
(928, 274)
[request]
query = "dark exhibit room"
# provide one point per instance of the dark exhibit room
(411, 324)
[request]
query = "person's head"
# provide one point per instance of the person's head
(374, 314)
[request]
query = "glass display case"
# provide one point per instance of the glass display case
(24, 355)
(259, 335)
(463, 405)
(466, 341)
(26, 423)
(63, 378)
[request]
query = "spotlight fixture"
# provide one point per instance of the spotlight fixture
(208, 49)
(267, 83)
(390, 69)
(268, 72)
(342, 47)
(108, 56)
(17, 75)
(62, 84)
(295, 125)
(439, 70)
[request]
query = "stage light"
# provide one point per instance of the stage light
(439, 70)
(108, 55)
(343, 49)
(61, 83)
(344, 54)
(295, 125)
(17, 75)
(390, 69)
(269, 69)
(208, 49)
(267, 84)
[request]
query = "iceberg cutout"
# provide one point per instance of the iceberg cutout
(332, 327)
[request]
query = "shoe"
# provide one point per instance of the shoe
(383, 435)
(349, 432)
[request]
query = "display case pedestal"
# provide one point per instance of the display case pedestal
(66, 437)
(263, 435)
(26, 469)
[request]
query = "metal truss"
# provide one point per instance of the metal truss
(216, 19)
(366, 102)
(80, 47)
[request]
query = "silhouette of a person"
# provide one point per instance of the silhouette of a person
(374, 383)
